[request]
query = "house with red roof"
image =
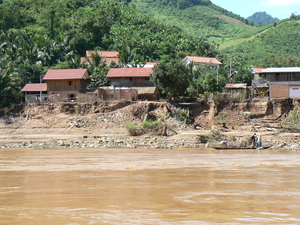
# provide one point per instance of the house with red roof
(66, 84)
(106, 56)
(134, 78)
(35, 93)
(197, 60)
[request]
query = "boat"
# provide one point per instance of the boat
(238, 148)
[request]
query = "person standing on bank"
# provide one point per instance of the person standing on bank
(258, 141)
(253, 140)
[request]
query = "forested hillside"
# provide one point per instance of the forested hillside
(262, 18)
(273, 45)
(36, 35)
(200, 18)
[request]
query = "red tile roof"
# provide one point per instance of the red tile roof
(129, 72)
(258, 70)
(109, 54)
(107, 60)
(35, 87)
(198, 59)
(66, 74)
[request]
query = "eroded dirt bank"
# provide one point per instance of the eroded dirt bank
(102, 124)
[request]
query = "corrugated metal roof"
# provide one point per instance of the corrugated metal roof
(129, 72)
(66, 74)
(198, 59)
(236, 85)
(35, 87)
(282, 70)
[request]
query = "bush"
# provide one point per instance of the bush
(134, 130)
(146, 127)
(293, 118)
(216, 135)
(184, 116)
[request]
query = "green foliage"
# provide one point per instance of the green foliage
(151, 126)
(221, 118)
(184, 116)
(173, 77)
(216, 135)
(262, 18)
(146, 127)
(134, 130)
(293, 117)
(38, 35)
(267, 42)
(199, 18)
(285, 60)
(97, 69)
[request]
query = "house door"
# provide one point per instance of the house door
(294, 91)
(71, 97)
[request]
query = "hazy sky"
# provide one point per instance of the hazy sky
(280, 9)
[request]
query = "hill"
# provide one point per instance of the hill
(277, 39)
(262, 18)
(200, 18)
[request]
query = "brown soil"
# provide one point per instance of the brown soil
(72, 121)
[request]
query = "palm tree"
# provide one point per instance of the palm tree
(9, 84)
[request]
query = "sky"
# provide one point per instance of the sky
(280, 9)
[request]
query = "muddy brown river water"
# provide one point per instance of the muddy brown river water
(140, 186)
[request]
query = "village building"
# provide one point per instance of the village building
(66, 84)
(197, 60)
(137, 79)
(237, 90)
(35, 93)
(281, 82)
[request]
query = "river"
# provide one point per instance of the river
(146, 186)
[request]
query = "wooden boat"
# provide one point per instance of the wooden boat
(238, 148)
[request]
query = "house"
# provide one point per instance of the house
(35, 93)
(135, 78)
(237, 90)
(282, 82)
(130, 77)
(107, 56)
(66, 84)
(197, 60)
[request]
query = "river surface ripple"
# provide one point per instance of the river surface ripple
(146, 186)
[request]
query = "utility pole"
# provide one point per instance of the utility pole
(41, 89)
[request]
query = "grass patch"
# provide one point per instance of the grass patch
(148, 126)
(215, 135)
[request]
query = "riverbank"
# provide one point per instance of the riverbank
(102, 125)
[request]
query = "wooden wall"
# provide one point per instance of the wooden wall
(66, 85)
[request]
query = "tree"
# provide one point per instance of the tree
(285, 60)
(173, 77)
(130, 58)
(9, 85)
(97, 70)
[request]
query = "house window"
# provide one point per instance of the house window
(130, 78)
(70, 83)
(147, 78)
